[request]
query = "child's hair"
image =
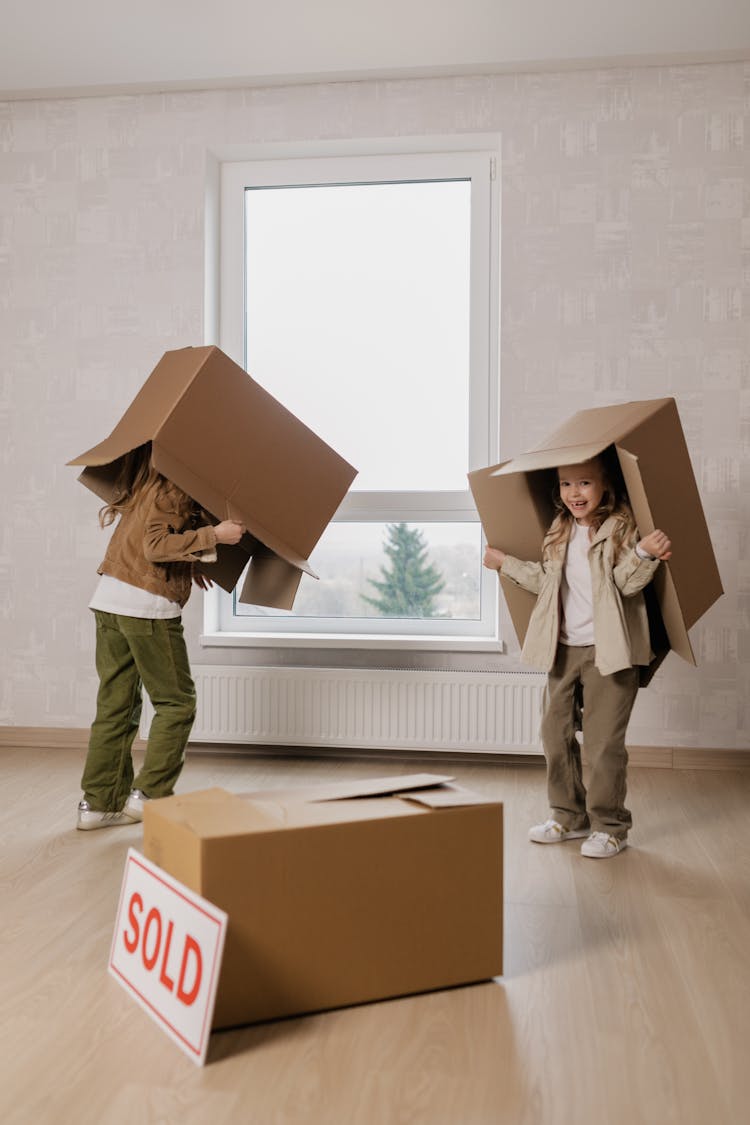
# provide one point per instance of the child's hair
(614, 503)
(135, 475)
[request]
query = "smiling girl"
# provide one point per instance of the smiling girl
(589, 631)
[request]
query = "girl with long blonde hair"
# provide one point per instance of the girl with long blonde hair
(589, 631)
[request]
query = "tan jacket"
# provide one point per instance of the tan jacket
(621, 633)
(154, 548)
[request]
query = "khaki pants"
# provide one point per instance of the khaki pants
(607, 703)
(131, 651)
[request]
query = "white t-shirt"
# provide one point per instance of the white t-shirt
(113, 596)
(577, 626)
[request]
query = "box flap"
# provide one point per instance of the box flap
(551, 458)
(149, 409)
(218, 814)
(663, 581)
(584, 435)
(447, 797)
(675, 505)
(346, 790)
(515, 511)
(271, 581)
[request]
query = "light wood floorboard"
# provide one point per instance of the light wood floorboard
(625, 999)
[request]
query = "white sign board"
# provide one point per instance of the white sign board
(166, 952)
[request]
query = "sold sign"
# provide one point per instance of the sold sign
(166, 952)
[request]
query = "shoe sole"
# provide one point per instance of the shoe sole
(114, 821)
(603, 855)
(575, 835)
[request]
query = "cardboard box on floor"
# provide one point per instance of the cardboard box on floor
(339, 894)
(514, 501)
(231, 446)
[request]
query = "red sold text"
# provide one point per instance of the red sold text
(154, 935)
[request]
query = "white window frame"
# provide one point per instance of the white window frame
(452, 157)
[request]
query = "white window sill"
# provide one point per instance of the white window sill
(362, 641)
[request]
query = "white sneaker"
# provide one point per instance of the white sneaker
(553, 833)
(600, 845)
(134, 804)
(92, 818)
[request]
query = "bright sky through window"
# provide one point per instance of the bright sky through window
(357, 319)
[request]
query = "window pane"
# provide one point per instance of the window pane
(426, 571)
(358, 320)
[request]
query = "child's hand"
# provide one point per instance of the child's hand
(657, 544)
(229, 531)
(493, 558)
(202, 580)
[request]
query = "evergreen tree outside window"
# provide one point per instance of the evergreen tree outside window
(408, 588)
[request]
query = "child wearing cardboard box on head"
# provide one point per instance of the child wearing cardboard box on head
(145, 581)
(589, 631)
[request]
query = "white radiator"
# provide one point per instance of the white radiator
(384, 709)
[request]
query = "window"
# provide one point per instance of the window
(361, 291)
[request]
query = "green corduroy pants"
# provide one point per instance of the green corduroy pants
(132, 652)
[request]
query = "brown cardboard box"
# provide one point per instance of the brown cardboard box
(340, 894)
(514, 501)
(229, 444)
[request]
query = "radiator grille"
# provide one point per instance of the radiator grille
(405, 710)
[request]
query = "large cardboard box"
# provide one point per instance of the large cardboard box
(514, 501)
(341, 894)
(229, 444)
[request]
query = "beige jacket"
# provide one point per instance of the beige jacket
(154, 548)
(621, 633)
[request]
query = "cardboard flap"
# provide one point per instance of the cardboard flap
(604, 425)
(675, 506)
(636, 490)
(515, 511)
(584, 435)
(150, 408)
(231, 560)
(552, 458)
(385, 786)
(211, 812)
(663, 582)
(347, 790)
(447, 797)
(271, 581)
(100, 480)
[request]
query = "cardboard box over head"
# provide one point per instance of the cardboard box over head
(515, 505)
(339, 894)
(241, 455)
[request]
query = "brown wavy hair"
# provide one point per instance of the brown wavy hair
(614, 503)
(136, 475)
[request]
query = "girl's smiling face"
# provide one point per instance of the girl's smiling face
(582, 488)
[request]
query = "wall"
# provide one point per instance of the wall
(625, 274)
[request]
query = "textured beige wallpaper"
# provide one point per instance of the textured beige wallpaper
(625, 274)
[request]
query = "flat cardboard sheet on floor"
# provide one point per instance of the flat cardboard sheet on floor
(231, 446)
(336, 900)
(514, 501)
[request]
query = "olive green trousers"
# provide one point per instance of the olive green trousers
(130, 652)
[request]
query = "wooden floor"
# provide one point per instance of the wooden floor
(626, 996)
